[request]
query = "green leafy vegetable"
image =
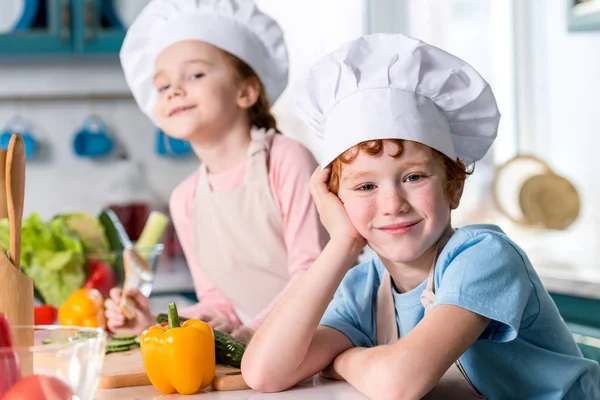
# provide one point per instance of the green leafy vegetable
(53, 252)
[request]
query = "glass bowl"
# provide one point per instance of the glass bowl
(115, 260)
(74, 355)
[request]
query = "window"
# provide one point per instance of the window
(481, 32)
(312, 29)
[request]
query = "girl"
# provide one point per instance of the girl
(440, 312)
(207, 71)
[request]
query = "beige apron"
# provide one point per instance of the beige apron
(238, 235)
(454, 384)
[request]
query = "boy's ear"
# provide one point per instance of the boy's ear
(456, 195)
(248, 93)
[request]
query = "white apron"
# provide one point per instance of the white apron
(238, 235)
(454, 384)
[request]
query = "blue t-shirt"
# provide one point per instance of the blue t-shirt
(526, 352)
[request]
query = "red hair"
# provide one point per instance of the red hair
(456, 170)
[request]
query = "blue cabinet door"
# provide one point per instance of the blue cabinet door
(43, 27)
(95, 27)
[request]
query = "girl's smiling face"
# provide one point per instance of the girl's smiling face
(197, 90)
(398, 204)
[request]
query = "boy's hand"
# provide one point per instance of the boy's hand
(331, 210)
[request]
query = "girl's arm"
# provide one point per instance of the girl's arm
(289, 346)
(290, 168)
(212, 302)
(409, 368)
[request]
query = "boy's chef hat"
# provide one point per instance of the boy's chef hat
(236, 26)
(389, 86)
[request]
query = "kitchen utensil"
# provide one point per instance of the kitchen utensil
(16, 288)
(528, 192)
(92, 139)
(3, 206)
(71, 354)
(126, 369)
(115, 259)
(138, 272)
(15, 195)
(18, 125)
(17, 15)
(167, 146)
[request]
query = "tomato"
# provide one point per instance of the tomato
(39, 387)
(44, 315)
(100, 276)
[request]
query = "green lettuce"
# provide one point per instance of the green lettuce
(51, 254)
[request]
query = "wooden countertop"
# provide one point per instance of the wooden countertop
(314, 388)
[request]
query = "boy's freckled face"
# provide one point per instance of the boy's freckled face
(397, 204)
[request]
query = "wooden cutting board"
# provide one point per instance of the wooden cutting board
(126, 369)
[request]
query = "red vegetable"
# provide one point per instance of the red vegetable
(40, 387)
(9, 363)
(101, 276)
(45, 315)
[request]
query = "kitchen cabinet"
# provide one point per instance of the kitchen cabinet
(52, 27)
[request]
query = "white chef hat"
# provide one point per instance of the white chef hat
(389, 86)
(236, 26)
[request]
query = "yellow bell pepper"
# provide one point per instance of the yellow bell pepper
(179, 358)
(85, 307)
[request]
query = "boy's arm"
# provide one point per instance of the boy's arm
(409, 368)
(290, 346)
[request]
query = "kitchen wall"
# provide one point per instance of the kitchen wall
(61, 182)
(58, 181)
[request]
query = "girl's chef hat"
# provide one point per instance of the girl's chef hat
(236, 26)
(389, 86)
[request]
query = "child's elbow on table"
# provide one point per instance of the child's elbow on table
(260, 376)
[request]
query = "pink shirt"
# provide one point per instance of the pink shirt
(290, 167)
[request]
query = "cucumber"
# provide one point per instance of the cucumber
(119, 343)
(117, 240)
(114, 230)
(152, 233)
(228, 350)
(110, 348)
(126, 338)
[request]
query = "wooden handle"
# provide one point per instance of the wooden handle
(15, 190)
(229, 382)
(3, 206)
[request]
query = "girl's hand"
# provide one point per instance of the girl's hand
(116, 321)
(243, 333)
(217, 322)
(331, 210)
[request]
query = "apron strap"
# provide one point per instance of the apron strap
(428, 295)
(258, 154)
(385, 313)
(386, 328)
(257, 160)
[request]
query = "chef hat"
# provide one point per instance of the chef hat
(236, 26)
(389, 86)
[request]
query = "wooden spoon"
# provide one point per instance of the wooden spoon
(3, 207)
(15, 193)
